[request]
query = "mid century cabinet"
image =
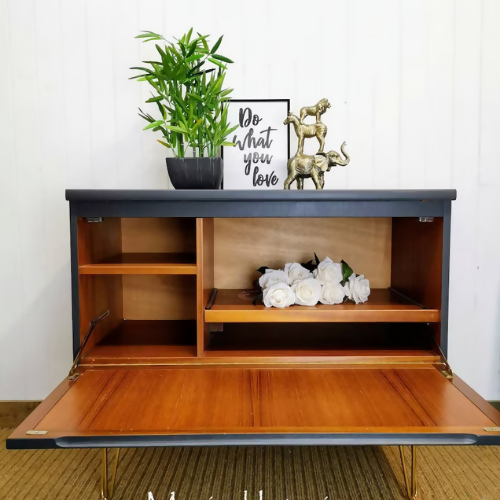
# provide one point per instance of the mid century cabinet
(179, 356)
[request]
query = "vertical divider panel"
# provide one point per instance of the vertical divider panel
(97, 241)
(417, 262)
(204, 278)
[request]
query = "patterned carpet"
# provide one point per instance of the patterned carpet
(339, 473)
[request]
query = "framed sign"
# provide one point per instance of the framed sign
(258, 161)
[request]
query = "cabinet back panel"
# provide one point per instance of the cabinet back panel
(159, 297)
(159, 235)
(244, 245)
(98, 240)
(97, 295)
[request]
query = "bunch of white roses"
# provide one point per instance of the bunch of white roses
(328, 283)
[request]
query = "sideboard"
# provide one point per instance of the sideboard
(169, 349)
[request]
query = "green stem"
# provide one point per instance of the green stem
(180, 146)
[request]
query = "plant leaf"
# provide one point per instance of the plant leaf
(194, 57)
(231, 130)
(164, 143)
(262, 269)
(225, 143)
(195, 96)
(218, 63)
(259, 297)
(153, 125)
(204, 42)
(309, 266)
(217, 45)
(196, 125)
(191, 50)
(174, 128)
(221, 58)
(346, 271)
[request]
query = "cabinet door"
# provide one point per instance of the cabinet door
(191, 406)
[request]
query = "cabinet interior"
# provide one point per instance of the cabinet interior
(157, 276)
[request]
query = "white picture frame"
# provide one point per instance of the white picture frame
(259, 159)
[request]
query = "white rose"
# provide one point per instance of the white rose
(307, 292)
(296, 272)
(332, 293)
(278, 295)
(357, 288)
(273, 276)
(328, 271)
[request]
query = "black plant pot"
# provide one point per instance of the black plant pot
(195, 173)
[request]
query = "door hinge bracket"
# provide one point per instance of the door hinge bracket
(447, 372)
(426, 219)
(36, 433)
(211, 299)
(74, 377)
(492, 429)
(93, 323)
(93, 219)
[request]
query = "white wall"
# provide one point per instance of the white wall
(415, 92)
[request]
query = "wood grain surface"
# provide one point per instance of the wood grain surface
(417, 261)
(244, 245)
(159, 297)
(205, 276)
(159, 235)
(145, 342)
(98, 241)
(143, 263)
(243, 400)
(383, 305)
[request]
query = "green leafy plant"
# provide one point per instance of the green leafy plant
(187, 83)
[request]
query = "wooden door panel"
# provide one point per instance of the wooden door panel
(399, 401)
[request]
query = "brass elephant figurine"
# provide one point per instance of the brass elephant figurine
(302, 166)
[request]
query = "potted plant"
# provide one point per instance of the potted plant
(187, 81)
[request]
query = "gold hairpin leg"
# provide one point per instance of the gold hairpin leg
(410, 482)
(108, 486)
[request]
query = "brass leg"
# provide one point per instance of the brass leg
(410, 483)
(107, 487)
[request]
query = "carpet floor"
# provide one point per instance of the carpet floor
(293, 473)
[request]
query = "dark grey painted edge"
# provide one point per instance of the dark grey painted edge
(259, 195)
(347, 439)
(445, 278)
(260, 209)
(75, 299)
(495, 404)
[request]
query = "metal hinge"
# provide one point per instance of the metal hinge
(36, 433)
(492, 429)
(93, 219)
(447, 372)
(211, 299)
(72, 375)
(425, 219)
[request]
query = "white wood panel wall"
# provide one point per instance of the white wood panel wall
(415, 92)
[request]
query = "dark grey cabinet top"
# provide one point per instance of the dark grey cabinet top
(260, 195)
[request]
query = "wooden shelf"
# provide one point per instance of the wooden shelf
(383, 306)
(143, 263)
(367, 356)
(337, 343)
(137, 342)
